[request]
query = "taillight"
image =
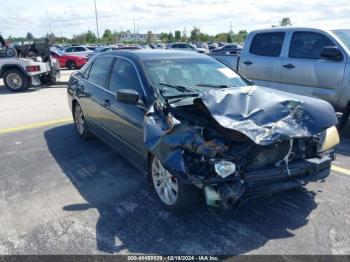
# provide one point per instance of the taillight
(31, 69)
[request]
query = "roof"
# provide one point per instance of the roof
(289, 28)
(144, 54)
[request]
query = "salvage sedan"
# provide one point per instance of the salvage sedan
(197, 128)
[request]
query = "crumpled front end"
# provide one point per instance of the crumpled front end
(239, 143)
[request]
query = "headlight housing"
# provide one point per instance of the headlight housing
(329, 139)
(225, 168)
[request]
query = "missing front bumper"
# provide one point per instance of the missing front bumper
(270, 181)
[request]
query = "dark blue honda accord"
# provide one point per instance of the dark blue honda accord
(197, 128)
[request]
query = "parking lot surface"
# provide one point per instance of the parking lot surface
(62, 195)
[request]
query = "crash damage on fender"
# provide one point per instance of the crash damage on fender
(238, 143)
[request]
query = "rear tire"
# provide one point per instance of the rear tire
(174, 194)
(16, 81)
(71, 65)
(79, 121)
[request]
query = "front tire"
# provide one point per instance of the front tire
(16, 81)
(174, 194)
(79, 121)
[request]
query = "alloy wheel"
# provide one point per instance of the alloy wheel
(165, 183)
(14, 81)
(79, 120)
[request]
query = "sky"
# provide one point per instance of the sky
(69, 17)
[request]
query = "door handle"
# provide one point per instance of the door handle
(81, 87)
(289, 66)
(106, 103)
(248, 63)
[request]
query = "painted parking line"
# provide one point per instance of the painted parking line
(36, 125)
(341, 170)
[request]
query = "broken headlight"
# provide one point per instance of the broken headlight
(329, 139)
(225, 168)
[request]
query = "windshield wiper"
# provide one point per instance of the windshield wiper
(215, 86)
(179, 87)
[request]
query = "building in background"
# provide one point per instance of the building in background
(130, 37)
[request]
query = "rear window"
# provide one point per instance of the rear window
(99, 70)
(267, 44)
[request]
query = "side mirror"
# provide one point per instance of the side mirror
(331, 52)
(128, 96)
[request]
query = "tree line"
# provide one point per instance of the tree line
(112, 37)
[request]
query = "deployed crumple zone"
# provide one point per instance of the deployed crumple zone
(269, 136)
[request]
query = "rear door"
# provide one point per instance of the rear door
(305, 71)
(124, 121)
(92, 89)
(80, 51)
(262, 62)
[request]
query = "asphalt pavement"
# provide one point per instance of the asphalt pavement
(62, 195)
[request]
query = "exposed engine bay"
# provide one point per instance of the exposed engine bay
(231, 142)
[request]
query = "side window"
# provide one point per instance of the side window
(69, 50)
(99, 70)
(267, 44)
(86, 72)
(124, 76)
(79, 49)
(308, 45)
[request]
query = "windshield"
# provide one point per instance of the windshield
(344, 36)
(197, 75)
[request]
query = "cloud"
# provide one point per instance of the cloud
(71, 17)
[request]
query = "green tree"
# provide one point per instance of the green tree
(204, 37)
(229, 38)
(30, 36)
(171, 38)
(164, 37)
(107, 34)
(178, 35)
(150, 37)
(108, 37)
(195, 35)
(91, 37)
(285, 21)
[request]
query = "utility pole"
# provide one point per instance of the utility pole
(98, 32)
(134, 31)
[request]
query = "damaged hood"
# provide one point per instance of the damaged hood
(265, 115)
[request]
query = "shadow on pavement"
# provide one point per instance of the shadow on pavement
(132, 220)
(58, 84)
(344, 147)
(6, 91)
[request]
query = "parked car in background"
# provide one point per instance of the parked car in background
(203, 47)
(71, 62)
(212, 46)
(197, 127)
(101, 50)
(78, 50)
(233, 49)
(185, 47)
(300, 60)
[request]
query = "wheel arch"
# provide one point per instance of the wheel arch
(8, 67)
(70, 61)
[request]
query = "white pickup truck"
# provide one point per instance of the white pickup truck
(307, 61)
